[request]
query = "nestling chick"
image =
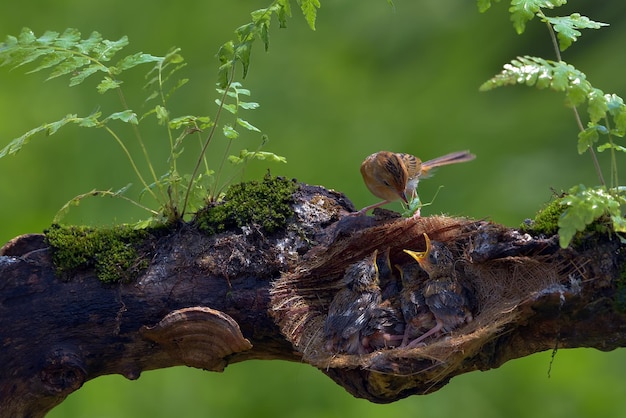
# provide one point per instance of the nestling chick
(418, 317)
(444, 294)
(350, 313)
(394, 176)
(389, 284)
(386, 327)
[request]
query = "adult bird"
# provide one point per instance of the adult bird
(394, 176)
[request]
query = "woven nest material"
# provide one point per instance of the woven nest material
(498, 266)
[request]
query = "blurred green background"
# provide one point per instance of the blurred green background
(369, 78)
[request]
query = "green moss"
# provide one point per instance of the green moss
(111, 252)
(267, 203)
(547, 219)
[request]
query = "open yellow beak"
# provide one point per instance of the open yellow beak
(421, 256)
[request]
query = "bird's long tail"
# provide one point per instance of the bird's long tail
(452, 158)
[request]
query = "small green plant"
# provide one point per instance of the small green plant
(606, 113)
(176, 192)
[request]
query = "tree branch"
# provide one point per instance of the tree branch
(210, 300)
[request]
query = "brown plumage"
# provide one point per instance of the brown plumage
(418, 317)
(359, 320)
(444, 294)
(394, 176)
(350, 312)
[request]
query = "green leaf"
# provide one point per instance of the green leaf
(309, 10)
(262, 19)
(242, 53)
(67, 53)
(583, 207)
(67, 40)
(598, 106)
(127, 116)
(90, 121)
(189, 121)
(86, 72)
(523, 11)
(556, 75)
(162, 114)
(617, 109)
(567, 27)
(230, 132)
(70, 65)
(50, 129)
(248, 105)
(134, 60)
(587, 138)
(107, 84)
(484, 5)
(245, 155)
(50, 60)
(619, 223)
(284, 11)
(229, 107)
(609, 145)
(247, 125)
(226, 55)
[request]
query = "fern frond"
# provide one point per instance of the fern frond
(49, 128)
(583, 206)
(309, 10)
(567, 27)
(563, 77)
(484, 5)
(66, 53)
(542, 73)
(522, 11)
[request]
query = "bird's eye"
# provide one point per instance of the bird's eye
(385, 182)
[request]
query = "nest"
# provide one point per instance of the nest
(502, 268)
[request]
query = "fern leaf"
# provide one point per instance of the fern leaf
(562, 77)
(107, 84)
(284, 11)
(617, 109)
(583, 207)
(588, 137)
(597, 105)
(50, 128)
(484, 5)
(230, 132)
(132, 61)
(309, 10)
(522, 11)
(81, 75)
(567, 27)
(127, 116)
(67, 53)
(247, 125)
(556, 75)
(245, 155)
(70, 65)
(68, 39)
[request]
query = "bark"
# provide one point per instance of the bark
(210, 300)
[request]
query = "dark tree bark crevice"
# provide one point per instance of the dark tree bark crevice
(208, 301)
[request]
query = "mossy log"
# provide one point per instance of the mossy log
(208, 300)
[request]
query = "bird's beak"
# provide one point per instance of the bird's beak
(403, 196)
(421, 256)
